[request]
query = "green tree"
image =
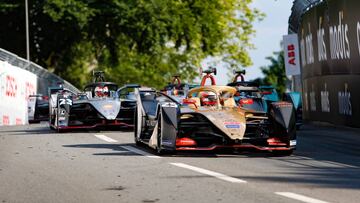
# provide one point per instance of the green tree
(274, 73)
(132, 40)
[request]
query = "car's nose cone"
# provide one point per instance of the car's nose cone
(108, 108)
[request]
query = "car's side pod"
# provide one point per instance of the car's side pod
(64, 104)
(283, 115)
(168, 126)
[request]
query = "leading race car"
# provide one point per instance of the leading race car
(209, 119)
(101, 104)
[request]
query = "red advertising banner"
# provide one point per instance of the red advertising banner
(16, 85)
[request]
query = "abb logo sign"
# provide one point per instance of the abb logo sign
(291, 54)
(6, 120)
(11, 86)
(16, 84)
(18, 121)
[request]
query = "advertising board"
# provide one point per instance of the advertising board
(16, 85)
(291, 54)
(329, 37)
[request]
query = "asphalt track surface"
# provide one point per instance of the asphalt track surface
(40, 165)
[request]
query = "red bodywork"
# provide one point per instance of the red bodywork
(236, 146)
(103, 124)
(208, 76)
(176, 79)
(188, 144)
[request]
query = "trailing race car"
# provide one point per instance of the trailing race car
(38, 108)
(269, 93)
(209, 119)
(101, 104)
(177, 89)
(263, 96)
(249, 90)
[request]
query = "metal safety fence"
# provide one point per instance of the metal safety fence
(297, 11)
(45, 78)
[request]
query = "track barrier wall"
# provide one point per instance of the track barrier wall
(19, 79)
(329, 35)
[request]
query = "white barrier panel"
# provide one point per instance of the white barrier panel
(16, 85)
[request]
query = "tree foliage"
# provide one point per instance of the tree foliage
(141, 41)
(274, 73)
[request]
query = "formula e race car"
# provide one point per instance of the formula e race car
(38, 108)
(263, 96)
(269, 93)
(101, 104)
(209, 119)
(177, 89)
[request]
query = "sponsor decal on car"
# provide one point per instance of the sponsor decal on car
(151, 122)
(166, 142)
(292, 142)
(108, 106)
(282, 104)
(62, 118)
(232, 124)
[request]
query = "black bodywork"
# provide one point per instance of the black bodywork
(296, 101)
(85, 110)
(38, 108)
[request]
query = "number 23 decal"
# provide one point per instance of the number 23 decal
(65, 101)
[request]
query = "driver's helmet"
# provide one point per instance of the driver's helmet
(175, 92)
(99, 91)
(208, 99)
(106, 92)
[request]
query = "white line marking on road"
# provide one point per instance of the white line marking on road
(105, 138)
(137, 151)
(209, 173)
(299, 197)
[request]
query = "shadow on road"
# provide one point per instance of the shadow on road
(330, 144)
(119, 151)
(41, 130)
(325, 157)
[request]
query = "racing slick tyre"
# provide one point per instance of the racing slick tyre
(51, 122)
(136, 128)
(159, 150)
(51, 126)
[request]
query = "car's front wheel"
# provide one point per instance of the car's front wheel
(159, 149)
(137, 128)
